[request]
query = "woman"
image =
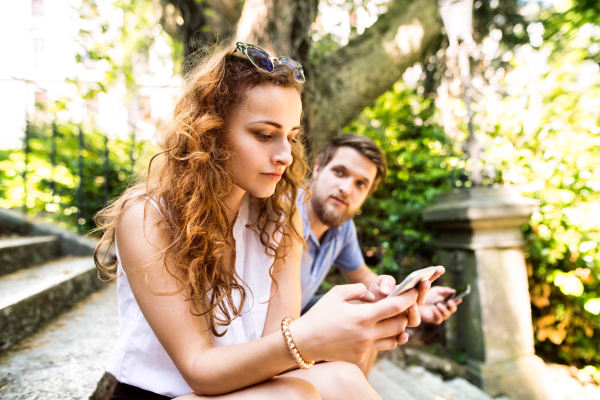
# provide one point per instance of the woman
(208, 254)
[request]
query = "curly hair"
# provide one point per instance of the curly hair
(194, 151)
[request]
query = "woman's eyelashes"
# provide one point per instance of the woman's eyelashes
(264, 137)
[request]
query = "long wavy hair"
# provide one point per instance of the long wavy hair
(190, 177)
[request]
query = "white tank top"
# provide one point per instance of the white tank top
(139, 360)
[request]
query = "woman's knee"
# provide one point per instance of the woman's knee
(292, 388)
(349, 378)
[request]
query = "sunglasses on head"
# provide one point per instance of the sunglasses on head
(262, 60)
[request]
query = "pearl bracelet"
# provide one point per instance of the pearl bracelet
(285, 328)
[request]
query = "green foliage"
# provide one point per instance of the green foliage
(61, 205)
(420, 160)
(542, 121)
(118, 39)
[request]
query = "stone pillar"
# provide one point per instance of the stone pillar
(481, 244)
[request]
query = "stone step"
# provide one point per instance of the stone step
(67, 358)
(31, 297)
(24, 252)
(408, 382)
(470, 391)
(456, 389)
(386, 387)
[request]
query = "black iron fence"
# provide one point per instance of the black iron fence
(93, 167)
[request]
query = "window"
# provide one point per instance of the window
(91, 107)
(39, 53)
(37, 8)
(41, 101)
(145, 108)
(142, 61)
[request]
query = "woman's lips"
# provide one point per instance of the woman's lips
(273, 175)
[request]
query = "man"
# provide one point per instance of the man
(345, 173)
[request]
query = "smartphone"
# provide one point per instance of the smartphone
(465, 291)
(413, 280)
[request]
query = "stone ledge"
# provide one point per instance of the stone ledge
(12, 221)
(67, 359)
(404, 356)
(31, 297)
(19, 253)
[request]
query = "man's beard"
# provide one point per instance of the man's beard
(329, 216)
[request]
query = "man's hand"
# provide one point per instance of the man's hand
(436, 310)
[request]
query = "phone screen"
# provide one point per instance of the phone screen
(464, 291)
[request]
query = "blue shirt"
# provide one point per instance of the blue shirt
(339, 247)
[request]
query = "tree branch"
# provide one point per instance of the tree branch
(280, 27)
(351, 79)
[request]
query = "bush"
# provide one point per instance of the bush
(61, 205)
(543, 137)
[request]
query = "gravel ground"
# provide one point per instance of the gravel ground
(568, 383)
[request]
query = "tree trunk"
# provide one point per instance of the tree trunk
(203, 23)
(341, 85)
(355, 76)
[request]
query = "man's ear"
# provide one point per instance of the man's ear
(316, 169)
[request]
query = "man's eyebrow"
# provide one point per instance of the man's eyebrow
(275, 124)
(362, 178)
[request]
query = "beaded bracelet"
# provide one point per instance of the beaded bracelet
(285, 328)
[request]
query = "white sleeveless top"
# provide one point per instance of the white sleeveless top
(139, 359)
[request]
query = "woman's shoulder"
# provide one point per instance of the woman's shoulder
(137, 210)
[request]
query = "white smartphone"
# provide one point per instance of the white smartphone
(412, 280)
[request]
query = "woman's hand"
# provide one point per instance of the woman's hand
(335, 329)
(384, 284)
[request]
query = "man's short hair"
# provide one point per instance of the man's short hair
(364, 145)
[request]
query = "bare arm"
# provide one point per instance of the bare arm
(288, 294)
(206, 368)
(362, 275)
(345, 331)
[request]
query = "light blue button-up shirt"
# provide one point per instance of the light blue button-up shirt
(339, 247)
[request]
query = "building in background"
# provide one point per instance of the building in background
(39, 43)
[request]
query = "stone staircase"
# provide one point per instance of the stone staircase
(59, 322)
(393, 382)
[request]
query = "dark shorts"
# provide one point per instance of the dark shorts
(127, 392)
(311, 303)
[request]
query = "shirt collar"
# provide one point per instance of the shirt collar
(329, 233)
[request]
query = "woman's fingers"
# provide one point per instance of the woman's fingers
(439, 271)
(402, 338)
(391, 306)
(387, 343)
(422, 288)
(356, 291)
(391, 326)
(414, 316)
(383, 286)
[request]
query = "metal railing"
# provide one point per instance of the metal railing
(81, 147)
